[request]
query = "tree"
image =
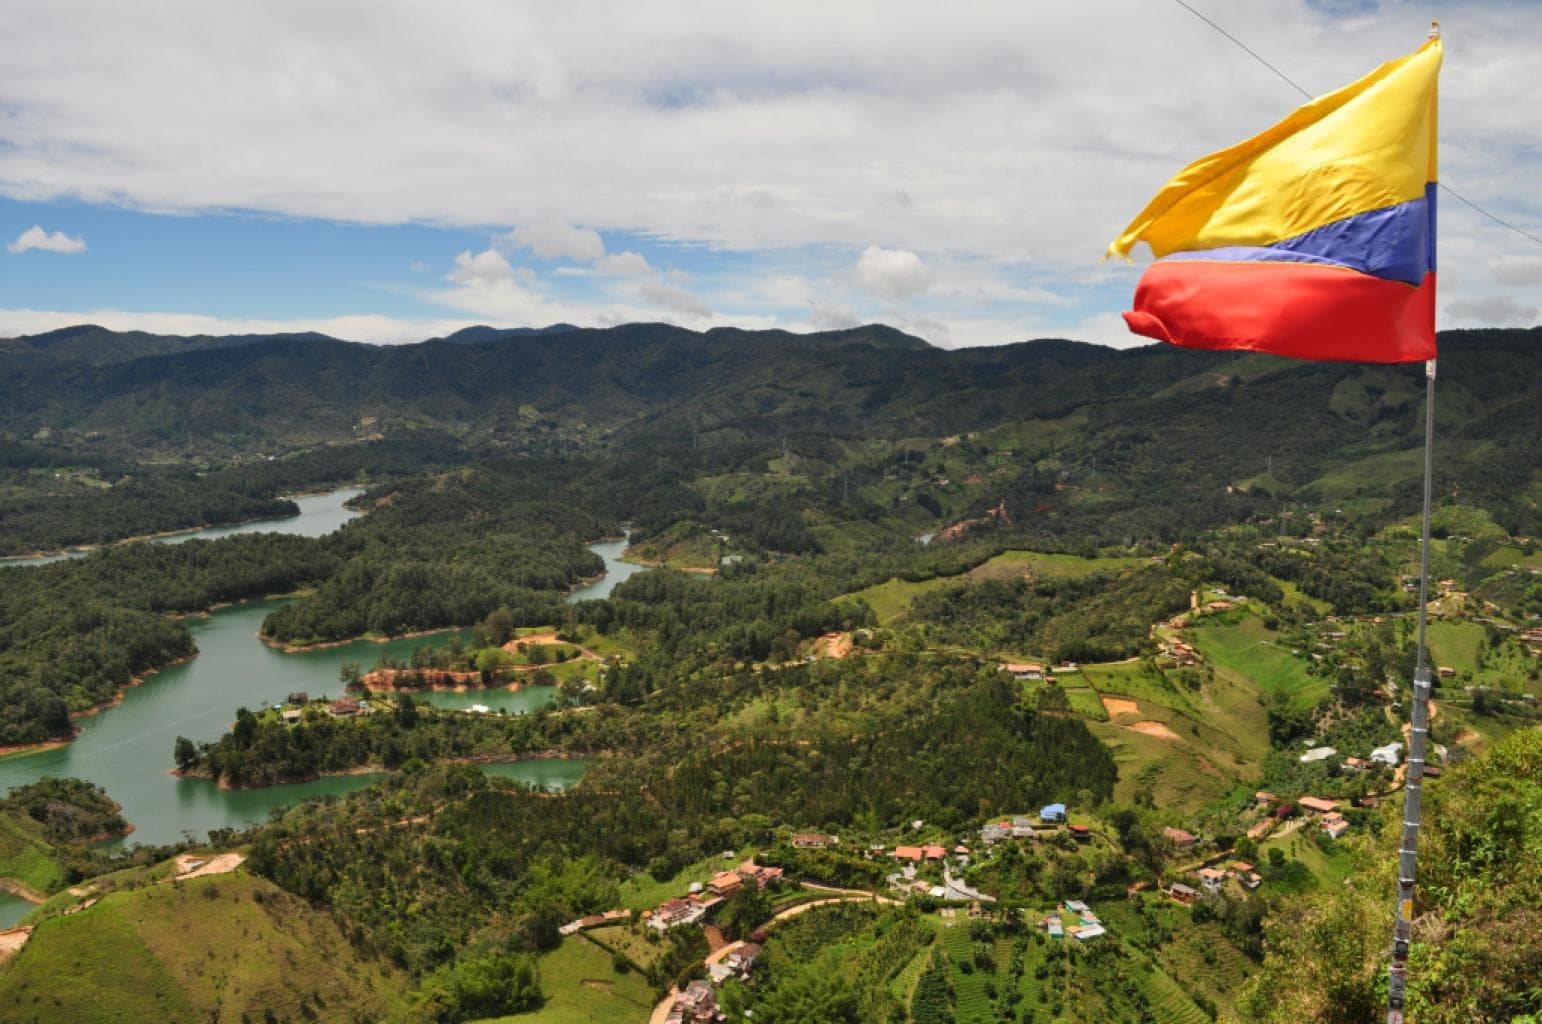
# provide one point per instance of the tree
(406, 711)
(185, 753)
(745, 911)
(499, 626)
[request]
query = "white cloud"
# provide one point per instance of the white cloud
(894, 275)
(36, 238)
(623, 264)
(419, 267)
(556, 241)
(676, 300)
(1493, 311)
(1000, 149)
(486, 267)
(383, 330)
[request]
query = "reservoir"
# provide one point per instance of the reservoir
(127, 749)
(320, 514)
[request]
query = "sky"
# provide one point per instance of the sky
(388, 172)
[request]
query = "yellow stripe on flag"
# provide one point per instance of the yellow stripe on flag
(1367, 146)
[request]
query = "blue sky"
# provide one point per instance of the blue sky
(387, 172)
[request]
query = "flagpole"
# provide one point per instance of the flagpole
(1419, 715)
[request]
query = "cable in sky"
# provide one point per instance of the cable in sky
(1288, 81)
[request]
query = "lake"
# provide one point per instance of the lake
(320, 514)
(127, 749)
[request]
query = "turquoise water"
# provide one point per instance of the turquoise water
(12, 909)
(127, 749)
(320, 514)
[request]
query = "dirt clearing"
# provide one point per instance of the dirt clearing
(1156, 729)
(1116, 706)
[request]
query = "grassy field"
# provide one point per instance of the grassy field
(1038, 564)
(1244, 647)
(891, 599)
(224, 947)
(582, 987)
(25, 855)
(1085, 702)
(1376, 473)
(1455, 644)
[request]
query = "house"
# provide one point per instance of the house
(1317, 805)
(290, 716)
(812, 841)
(299, 697)
(1446, 672)
(1053, 926)
(911, 853)
(1334, 825)
(1081, 833)
(1088, 931)
(1132, 892)
(1022, 826)
(696, 1005)
(1431, 771)
(1391, 754)
(995, 831)
(761, 875)
(744, 957)
(1317, 754)
(1252, 881)
(345, 707)
(1264, 797)
(1211, 877)
(725, 883)
(1358, 764)
(1183, 840)
(1023, 670)
(1052, 812)
(1182, 893)
(676, 912)
(933, 852)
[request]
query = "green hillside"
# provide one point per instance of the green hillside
(227, 947)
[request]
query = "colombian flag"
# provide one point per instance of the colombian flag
(1315, 239)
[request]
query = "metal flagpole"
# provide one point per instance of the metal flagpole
(1418, 733)
(1419, 716)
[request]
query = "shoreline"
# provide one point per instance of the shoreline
(28, 749)
(16, 887)
(380, 769)
(81, 550)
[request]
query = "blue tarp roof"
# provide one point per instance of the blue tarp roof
(1052, 811)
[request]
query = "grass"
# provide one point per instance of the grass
(1242, 645)
(891, 599)
(1455, 644)
(582, 987)
(25, 855)
(1085, 702)
(643, 892)
(1038, 564)
(1140, 681)
(1374, 473)
(630, 942)
(224, 947)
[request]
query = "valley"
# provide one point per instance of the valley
(444, 730)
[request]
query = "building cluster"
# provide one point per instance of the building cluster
(1086, 928)
(292, 710)
(703, 899)
(1051, 818)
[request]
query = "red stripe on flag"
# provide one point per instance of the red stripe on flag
(1300, 310)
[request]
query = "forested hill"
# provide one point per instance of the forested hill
(567, 387)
